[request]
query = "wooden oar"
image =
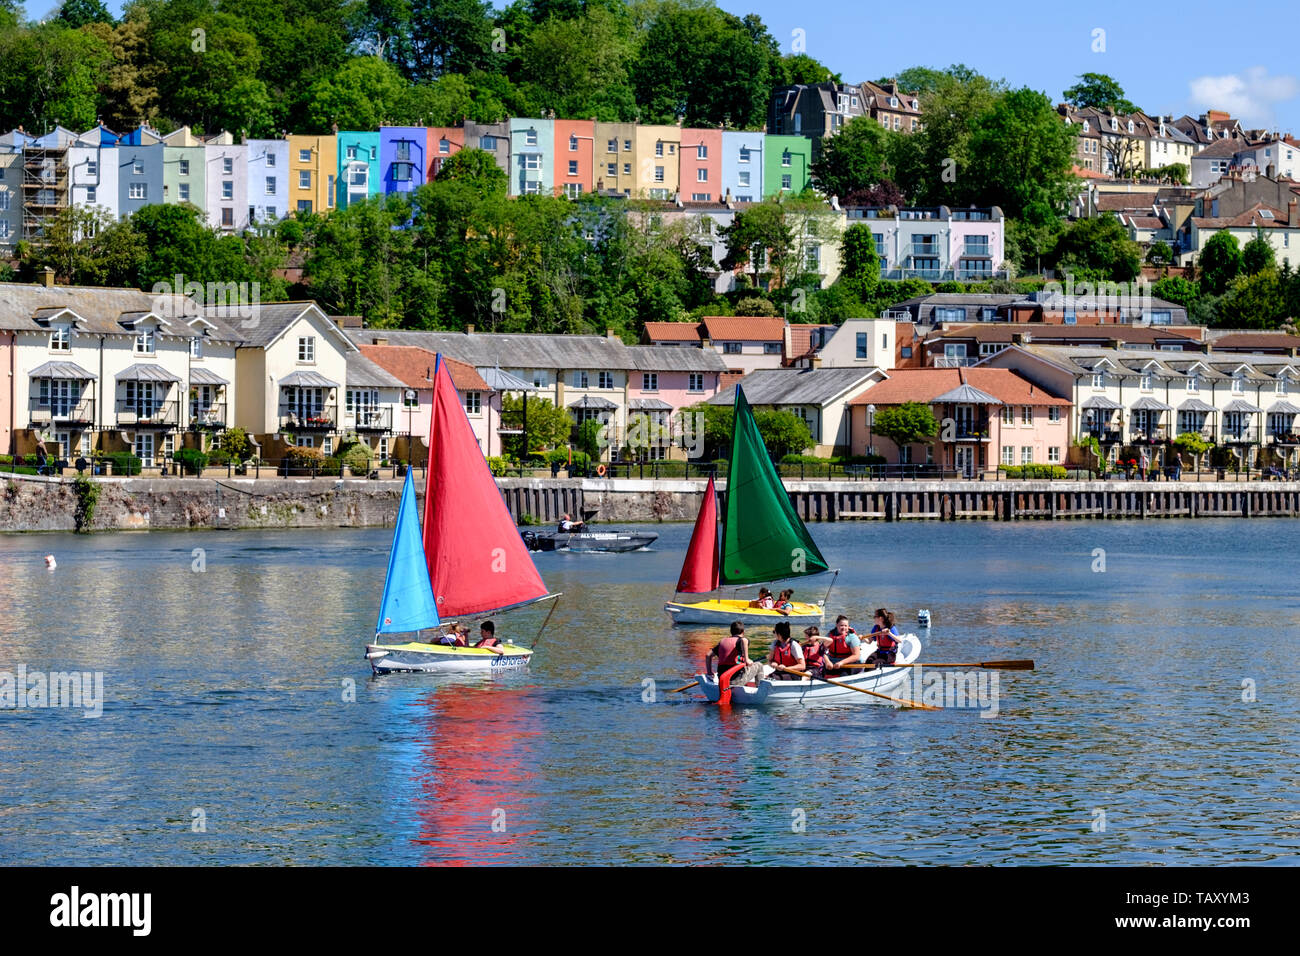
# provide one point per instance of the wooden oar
(860, 690)
(1024, 665)
(678, 690)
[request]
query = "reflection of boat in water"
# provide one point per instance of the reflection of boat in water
(588, 540)
(470, 561)
(763, 539)
(883, 680)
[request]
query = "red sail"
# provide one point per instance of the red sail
(700, 570)
(477, 561)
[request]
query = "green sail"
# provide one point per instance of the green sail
(762, 537)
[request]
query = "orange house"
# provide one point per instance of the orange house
(444, 142)
(575, 144)
(701, 165)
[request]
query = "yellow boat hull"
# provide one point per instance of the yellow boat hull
(722, 611)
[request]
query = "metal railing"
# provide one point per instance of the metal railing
(308, 417)
(207, 416)
(134, 414)
(371, 419)
(80, 411)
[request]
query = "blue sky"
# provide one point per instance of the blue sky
(1183, 58)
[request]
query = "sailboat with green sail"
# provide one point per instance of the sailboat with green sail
(763, 540)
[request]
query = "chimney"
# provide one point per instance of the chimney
(611, 334)
(469, 330)
(379, 340)
(1290, 213)
(47, 277)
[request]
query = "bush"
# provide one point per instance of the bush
(123, 462)
(1034, 471)
(191, 460)
(498, 465)
(356, 455)
(219, 457)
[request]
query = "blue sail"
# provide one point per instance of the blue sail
(408, 603)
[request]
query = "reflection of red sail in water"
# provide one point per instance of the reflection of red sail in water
(478, 768)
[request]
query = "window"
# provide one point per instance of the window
(813, 258)
(742, 178)
(444, 147)
(659, 174)
(1098, 379)
(270, 160)
(304, 205)
(991, 348)
(1238, 384)
(612, 169)
(227, 190)
(744, 155)
(59, 341)
(184, 167)
(730, 348)
(227, 216)
(403, 150)
(573, 143)
(183, 192)
(612, 146)
(1279, 387)
(1054, 413)
(473, 403)
(861, 345)
(488, 143)
(627, 169)
(90, 193)
(304, 179)
(1008, 454)
(1193, 383)
(771, 348)
(144, 342)
(659, 149)
(1008, 415)
(196, 348)
(1162, 318)
(579, 379)
(539, 378)
(138, 191)
(1026, 415)
(573, 191)
(402, 172)
(351, 152)
(530, 137)
(411, 398)
(785, 158)
(1054, 455)
(1026, 454)
(606, 380)
(787, 181)
(649, 381)
(627, 146)
(701, 175)
(4, 200)
(92, 167)
(327, 445)
(307, 348)
(330, 193)
(573, 167)
(1144, 382)
(695, 382)
(270, 185)
(531, 161)
(701, 197)
(137, 168)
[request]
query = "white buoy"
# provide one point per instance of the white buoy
(50, 562)
(923, 617)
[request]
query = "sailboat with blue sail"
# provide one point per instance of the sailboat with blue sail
(468, 558)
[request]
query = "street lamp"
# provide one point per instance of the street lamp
(871, 429)
(410, 410)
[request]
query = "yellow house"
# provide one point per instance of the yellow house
(313, 166)
(658, 162)
(616, 165)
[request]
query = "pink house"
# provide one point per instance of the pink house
(987, 418)
(664, 380)
(414, 367)
(701, 165)
(444, 142)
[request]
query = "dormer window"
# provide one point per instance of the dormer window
(196, 347)
(916, 105)
(1098, 379)
(144, 342)
(1114, 124)
(1130, 126)
(1280, 385)
(1086, 126)
(59, 340)
(307, 348)
(1193, 382)
(1145, 381)
(1238, 384)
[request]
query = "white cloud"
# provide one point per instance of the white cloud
(1250, 96)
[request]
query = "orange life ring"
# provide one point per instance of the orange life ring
(600, 470)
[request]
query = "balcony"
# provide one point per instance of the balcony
(308, 418)
(1246, 435)
(73, 413)
(211, 417)
(1277, 437)
(970, 429)
(929, 250)
(942, 275)
(1106, 434)
(372, 419)
(138, 414)
(954, 361)
(1148, 435)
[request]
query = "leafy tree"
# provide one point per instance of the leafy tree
(128, 87)
(78, 13)
(1176, 289)
(1254, 301)
(1257, 255)
(860, 264)
(756, 305)
(1159, 253)
(579, 67)
(1022, 154)
(784, 433)
(934, 165)
(365, 93)
(449, 36)
(548, 426)
(852, 159)
(1098, 248)
(477, 168)
(588, 438)
(1099, 91)
(88, 246)
(801, 68)
(906, 424)
(922, 79)
(1219, 263)
(762, 231)
(49, 76)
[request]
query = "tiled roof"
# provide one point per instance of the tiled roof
(672, 358)
(413, 367)
(673, 331)
(1259, 215)
(110, 311)
(363, 371)
(1114, 202)
(926, 384)
(1222, 148)
(1256, 340)
(510, 350)
(795, 386)
(1040, 332)
(744, 328)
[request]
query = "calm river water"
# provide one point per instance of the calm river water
(227, 735)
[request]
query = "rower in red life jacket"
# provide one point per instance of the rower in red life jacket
(487, 635)
(731, 651)
(842, 644)
(785, 653)
(886, 636)
(814, 651)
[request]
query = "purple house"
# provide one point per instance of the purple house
(403, 159)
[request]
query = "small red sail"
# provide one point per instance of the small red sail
(700, 569)
(477, 561)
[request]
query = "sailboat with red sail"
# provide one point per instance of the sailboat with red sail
(468, 561)
(763, 539)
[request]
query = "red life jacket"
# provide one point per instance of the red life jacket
(728, 651)
(784, 655)
(885, 640)
(840, 643)
(488, 642)
(814, 653)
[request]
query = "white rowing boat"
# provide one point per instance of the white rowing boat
(884, 680)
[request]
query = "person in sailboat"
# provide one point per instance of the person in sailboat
(487, 635)
(783, 602)
(785, 652)
(886, 636)
(450, 636)
(730, 651)
(843, 646)
(814, 651)
(764, 600)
